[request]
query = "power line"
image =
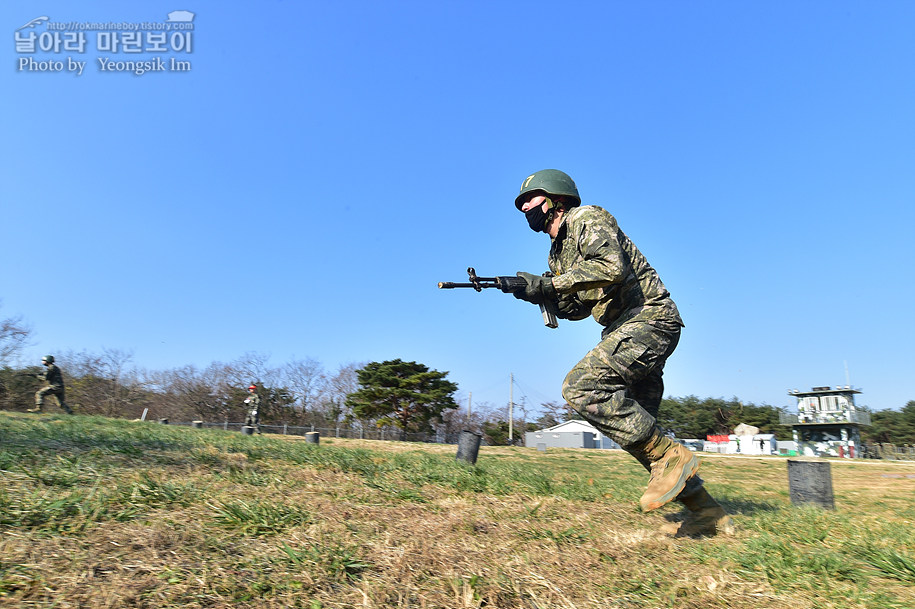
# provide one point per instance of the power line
(543, 399)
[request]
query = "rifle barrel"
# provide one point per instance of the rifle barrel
(481, 285)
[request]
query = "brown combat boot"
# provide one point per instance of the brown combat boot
(36, 409)
(704, 516)
(672, 464)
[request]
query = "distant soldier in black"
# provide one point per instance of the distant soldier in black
(254, 405)
(54, 387)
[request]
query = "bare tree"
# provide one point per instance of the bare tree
(188, 391)
(554, 413)
(252, 368)
(344, 382)
(308, 384)
(14, 336)
(166, 398)
(524, 410)
(458, 420)
(103, 384)
(277, 393)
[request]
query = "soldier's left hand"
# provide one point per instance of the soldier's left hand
(539, 289)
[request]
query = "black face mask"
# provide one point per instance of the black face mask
(537, 219)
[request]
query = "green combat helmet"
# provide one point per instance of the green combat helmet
(550, 181)
(48, 358)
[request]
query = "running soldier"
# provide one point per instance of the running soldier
(54, 387)
(617, 386)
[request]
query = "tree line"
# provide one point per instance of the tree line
(691, 417)
(892, 426)
(694, 417)
(404, 397)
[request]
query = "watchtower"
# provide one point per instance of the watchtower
(827, 422)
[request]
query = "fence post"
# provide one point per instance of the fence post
(468, 447)
(810, 482)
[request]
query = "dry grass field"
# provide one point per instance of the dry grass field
(100, 513)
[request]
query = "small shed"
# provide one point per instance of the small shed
(787, 447)
(759, 444)
(570, 434)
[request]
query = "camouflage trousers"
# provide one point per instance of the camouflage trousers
(617, 386)
(57, 392)
(252, 420)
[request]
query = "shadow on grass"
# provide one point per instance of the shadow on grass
(735, 506)
(740, 505)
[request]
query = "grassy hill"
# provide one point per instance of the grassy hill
(97, 512)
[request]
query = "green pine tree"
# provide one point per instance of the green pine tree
(407, 395)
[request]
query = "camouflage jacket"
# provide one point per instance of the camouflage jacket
(52, 376)
(254, 403)
(600, 272)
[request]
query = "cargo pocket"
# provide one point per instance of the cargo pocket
(631, 359)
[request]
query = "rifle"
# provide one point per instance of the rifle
(507, 284)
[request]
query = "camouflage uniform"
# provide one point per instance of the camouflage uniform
(617, 386)
(55, 387)
(253, 417)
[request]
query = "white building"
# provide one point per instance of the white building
(571, 434)
(758, 444)
(746, 440)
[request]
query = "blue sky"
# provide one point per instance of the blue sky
(303, 186)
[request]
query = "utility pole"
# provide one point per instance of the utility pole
(511, 406)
